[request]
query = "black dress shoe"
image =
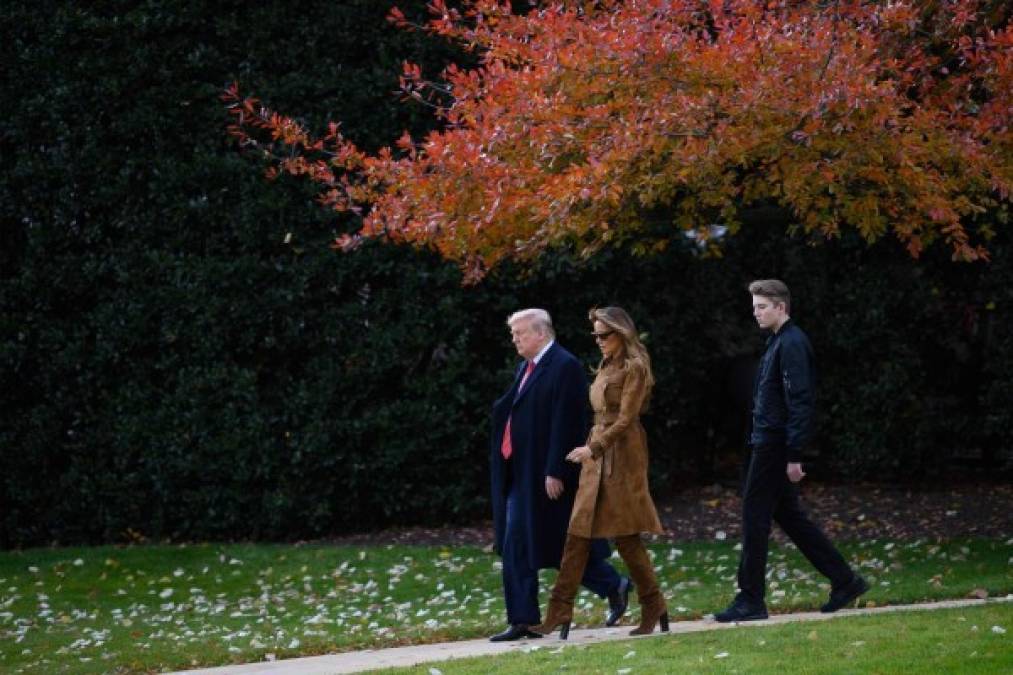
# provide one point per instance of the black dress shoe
(741, 611)
(516, 631)
(845, 595)
(619, 600)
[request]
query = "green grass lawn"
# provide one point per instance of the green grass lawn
(968, 640)
(168, 607)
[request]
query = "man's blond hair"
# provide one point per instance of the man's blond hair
(540, 320)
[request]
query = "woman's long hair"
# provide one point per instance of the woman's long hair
(618, 320)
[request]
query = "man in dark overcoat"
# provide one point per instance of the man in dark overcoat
(541, 418)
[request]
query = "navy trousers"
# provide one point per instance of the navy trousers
(769, 496)
(520, 580)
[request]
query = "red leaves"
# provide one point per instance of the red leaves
(411, 72)
(397, 17)
(885, 118)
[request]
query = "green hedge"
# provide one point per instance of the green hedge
(171, 369)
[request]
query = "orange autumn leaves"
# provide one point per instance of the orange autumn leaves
(583, 117)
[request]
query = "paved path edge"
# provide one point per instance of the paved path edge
(414, 655)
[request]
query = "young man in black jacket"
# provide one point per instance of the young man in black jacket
(782, 425)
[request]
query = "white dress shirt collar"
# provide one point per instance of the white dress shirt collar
(539, 355)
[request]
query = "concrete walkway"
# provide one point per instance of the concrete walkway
(370, 659)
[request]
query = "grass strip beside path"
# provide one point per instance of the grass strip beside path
(173, 607)
(965, 640)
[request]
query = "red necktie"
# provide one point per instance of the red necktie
(507, 447)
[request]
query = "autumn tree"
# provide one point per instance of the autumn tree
(583, 120)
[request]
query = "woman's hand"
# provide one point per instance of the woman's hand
(579, 455)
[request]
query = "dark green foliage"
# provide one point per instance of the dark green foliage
(171, 369)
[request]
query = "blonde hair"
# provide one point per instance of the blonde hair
(618, 320)
(540, 320)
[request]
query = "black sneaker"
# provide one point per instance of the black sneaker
(845, 595)
(741, 610)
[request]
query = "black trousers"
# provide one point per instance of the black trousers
(768, 496)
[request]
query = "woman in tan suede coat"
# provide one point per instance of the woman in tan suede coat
(613, 498)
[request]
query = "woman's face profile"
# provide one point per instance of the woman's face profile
(609, 341)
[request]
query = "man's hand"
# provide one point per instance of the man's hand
(795, 472)
(579, 455)
(553, 487)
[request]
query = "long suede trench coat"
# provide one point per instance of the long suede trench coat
(613, 497)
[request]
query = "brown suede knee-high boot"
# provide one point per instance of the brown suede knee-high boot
(571, 570)
(652, 602)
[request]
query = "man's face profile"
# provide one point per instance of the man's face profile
(526, 339)
(769, 313)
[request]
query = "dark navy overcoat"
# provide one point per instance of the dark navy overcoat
(548, 419)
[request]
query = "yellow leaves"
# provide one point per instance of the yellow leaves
(874, 174)
(864, 214)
